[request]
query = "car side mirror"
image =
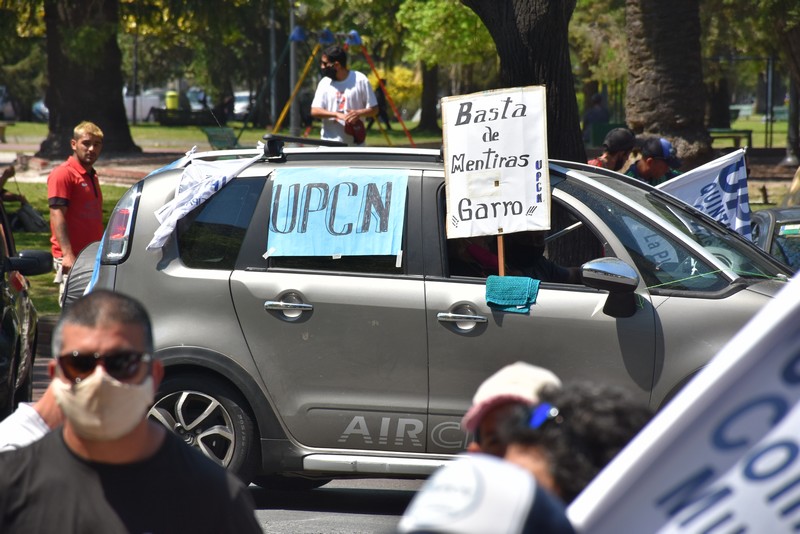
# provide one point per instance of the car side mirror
(31, 262)
(616, 277)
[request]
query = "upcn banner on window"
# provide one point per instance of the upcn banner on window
(337, 212)
(495, 150)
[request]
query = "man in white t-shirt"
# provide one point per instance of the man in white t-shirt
(342, 99)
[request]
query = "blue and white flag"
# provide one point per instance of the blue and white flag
(724, 454)
(718, 189)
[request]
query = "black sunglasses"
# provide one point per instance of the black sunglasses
(121, 365)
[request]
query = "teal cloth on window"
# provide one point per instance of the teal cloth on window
(512, 294)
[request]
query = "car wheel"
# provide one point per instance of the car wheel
(211, 416)
(281, 483)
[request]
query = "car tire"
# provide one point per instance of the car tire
(281, 483)
(212, 417)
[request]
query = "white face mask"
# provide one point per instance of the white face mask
(102, 408)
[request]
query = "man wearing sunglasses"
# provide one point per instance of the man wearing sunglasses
(109, 468)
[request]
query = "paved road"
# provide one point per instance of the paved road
(348, 506)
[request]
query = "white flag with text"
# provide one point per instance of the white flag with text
(718, 189)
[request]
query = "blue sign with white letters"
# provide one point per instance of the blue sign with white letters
(337, 212)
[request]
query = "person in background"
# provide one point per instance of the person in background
(480, 494)
(110, 468)
(657, 164)
(571, 434)
(617, 147)
(513, 385)
(75, 200)
(596, 114)
(380, 96)
(342, 99)
(8, 196)
(525, 257)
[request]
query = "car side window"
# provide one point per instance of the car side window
(211, 236)
(5, 244)
(569, 243)
(662, 261)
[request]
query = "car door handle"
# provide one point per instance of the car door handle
(460, 317)
(281, 305)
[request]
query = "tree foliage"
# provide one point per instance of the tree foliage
(597, 39)
(444, 32)
(531, 40)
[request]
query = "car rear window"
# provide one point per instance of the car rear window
(212, 235)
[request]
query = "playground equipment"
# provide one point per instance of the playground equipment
(353, 43)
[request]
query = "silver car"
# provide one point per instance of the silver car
(292, 371)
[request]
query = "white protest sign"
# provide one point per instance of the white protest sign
(718, 189)
(495, 147)
(727, 442)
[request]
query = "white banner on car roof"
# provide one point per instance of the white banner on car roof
(724, 454)
(199, 182)
(718, 189)
(495, 149)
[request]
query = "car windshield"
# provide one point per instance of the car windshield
(786, 245)
(661, 258)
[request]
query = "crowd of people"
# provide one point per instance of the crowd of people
(652, 160)
(85, 457)
(537, 442)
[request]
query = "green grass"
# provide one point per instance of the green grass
(760, 137)
(43, 291)
(154, 136)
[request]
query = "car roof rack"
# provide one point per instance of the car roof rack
(273, 144)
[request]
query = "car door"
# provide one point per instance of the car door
(566, 331)
(11, 284)
(340, 343)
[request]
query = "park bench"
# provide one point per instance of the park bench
(736, 135)
(221, 137)
(3, 126)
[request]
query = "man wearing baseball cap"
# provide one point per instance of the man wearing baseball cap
(658, 163)
(617, 147)
(513, 385)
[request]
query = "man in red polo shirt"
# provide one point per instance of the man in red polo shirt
(76, 203)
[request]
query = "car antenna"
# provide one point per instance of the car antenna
(273, 144)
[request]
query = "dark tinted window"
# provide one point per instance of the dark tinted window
(211, 236)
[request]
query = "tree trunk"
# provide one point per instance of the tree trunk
(429, 118)
(85, 75)
(531, 40)
(791, 52)
(665, 80)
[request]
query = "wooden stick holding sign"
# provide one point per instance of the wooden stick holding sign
(501, 256)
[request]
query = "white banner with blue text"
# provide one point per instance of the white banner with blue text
(718, 189)
(724, 454)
